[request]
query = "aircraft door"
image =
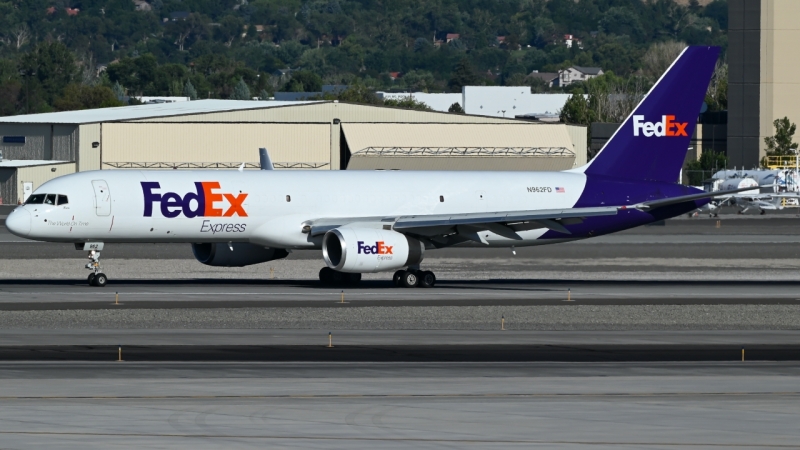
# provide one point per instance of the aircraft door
(27, 190)
(102, 198)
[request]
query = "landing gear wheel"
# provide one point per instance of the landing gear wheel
(100, 280)
(427, 279)
(353, 278)
(397, 278)
(410, 279)
(326, 275)
(337, 277)
(91, 279)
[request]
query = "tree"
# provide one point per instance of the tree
(659, 57)
(408, 103)
(456, 108)
(463, 75)
(78, 96)
(577, 110)
(356, 93)
(118, 91)
(264, 95)
(50, 66)
(717, 93)
(709, 162)
(303, 81)
(241, 91)
(189, 90)
(781, 143)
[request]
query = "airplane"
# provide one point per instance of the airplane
(383, 221)
(747, 199)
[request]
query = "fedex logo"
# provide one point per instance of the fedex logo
(204, 202)
(378, 249)
(667, 127)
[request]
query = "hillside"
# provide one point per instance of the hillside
(156, 46)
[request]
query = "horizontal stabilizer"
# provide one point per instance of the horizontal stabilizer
(647, 206)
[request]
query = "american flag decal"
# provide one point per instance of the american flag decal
(560, 190)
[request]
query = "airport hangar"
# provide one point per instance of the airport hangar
(320, 135)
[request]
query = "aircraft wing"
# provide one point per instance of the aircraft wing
(503, 223)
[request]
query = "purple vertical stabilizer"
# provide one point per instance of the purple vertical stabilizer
(651, 144)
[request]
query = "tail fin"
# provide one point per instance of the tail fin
(652, 142)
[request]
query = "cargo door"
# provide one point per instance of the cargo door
(102, 198)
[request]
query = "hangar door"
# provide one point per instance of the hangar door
(215, 145)
(459, 146)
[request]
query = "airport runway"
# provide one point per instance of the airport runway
(243, 293)
(645, 354)
(399, 405)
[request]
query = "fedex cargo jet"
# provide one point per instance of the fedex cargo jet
(376, 221)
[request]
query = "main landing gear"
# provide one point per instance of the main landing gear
(97, 277)
(414, 278)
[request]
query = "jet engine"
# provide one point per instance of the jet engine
(239, 254)
(368, 250)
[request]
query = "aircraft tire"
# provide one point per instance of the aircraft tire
(338, 277)
(326, 275)
(427, 279)
(410, 279)
(397, 278)
(90, 279)
(100, 280)
(353, 278)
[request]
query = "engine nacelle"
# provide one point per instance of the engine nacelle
(367, 250)
(243, 254)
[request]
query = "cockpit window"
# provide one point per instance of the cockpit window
(35, 199)
(50, 199)
(62, 200)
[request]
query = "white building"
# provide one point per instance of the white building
(494, 101)
(577, 73)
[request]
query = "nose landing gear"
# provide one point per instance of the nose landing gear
(97, 277)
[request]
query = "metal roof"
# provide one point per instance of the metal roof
(123, 113)
(29, 162)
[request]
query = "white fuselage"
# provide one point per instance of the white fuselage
(269, 208)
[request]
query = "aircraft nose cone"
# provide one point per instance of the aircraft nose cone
(19, 222)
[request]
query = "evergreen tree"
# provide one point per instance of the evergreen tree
(781, 144)
(463, 75)
(189, 90)
(264, 95)
(118, 91)
(456, 108)
(241, 91)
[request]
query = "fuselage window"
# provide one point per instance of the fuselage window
(35, 199)
(50, 199)
(62, 200)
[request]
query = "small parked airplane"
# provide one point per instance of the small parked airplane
(375, 221)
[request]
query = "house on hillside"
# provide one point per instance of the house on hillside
(550, 78)
(451, 36)
(141, 5)
(575, 74)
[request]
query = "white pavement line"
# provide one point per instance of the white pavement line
(328, 294)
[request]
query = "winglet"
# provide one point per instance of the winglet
(266, 162)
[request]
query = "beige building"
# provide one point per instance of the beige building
(764, 74)
(319, 135)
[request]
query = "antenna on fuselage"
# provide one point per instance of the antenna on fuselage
(266, 162)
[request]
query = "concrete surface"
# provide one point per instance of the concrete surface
(419, 405)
